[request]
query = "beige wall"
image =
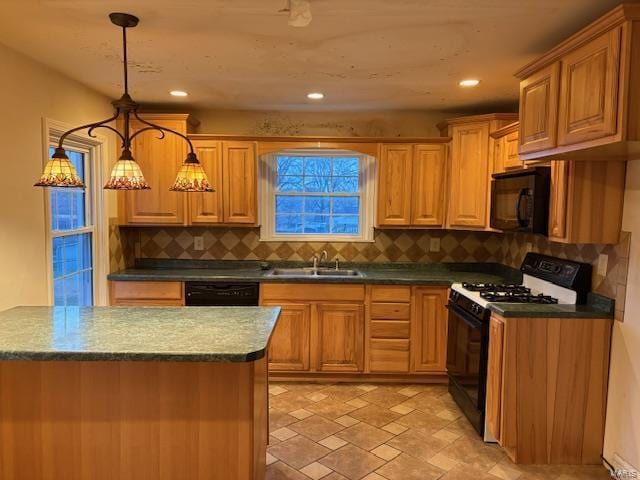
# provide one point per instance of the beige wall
(30, 92)
(623, 413)
(343, 124)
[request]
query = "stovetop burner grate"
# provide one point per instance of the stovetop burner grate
(517, 297)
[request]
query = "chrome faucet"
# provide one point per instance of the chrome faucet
(317, 260)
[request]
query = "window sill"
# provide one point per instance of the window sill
(315, 239)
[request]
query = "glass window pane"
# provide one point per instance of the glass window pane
(68, 210)
(345, 224)
(317, 166)
(345, 185)
(350, 205)
(316, 223)
(317, 184)
(317, 205)
(290, 165)
(288, 223)
(346, 167)
(290, 184)
(58, 257)
(288, 204)
(72, 290)
(72, 254)
(86, 288)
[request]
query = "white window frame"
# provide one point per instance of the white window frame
(268, 178)
(95, 151)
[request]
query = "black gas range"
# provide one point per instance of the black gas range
(546, 280)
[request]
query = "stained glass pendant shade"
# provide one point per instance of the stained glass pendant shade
(60, 172)
(126, 173)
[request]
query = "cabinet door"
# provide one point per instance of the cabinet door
(239, 182)
(589, 91)
(289, 348)
(428, 175)
(511, 158)
(558, 200)
(498, 155)
(430, 330)
(394, 184)
(207, 207)
(539, 110)
(160, 160)
(339, 344)
(494, 377)
(469, 175)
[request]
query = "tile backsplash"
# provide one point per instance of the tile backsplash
(222, 243)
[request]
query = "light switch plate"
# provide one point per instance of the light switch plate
(603, 261)
(198, 243)
(434, 244)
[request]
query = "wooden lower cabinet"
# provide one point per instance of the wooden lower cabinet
(430, 329)
(339, 345)
(152, 294)
(494, 378)
(289, 348)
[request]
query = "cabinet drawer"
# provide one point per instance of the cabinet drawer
(311, 292)
(154, 292)
(389, 356)
(390, 293)
(391, 311)
(390, 329)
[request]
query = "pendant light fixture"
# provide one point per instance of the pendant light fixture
(126, 173)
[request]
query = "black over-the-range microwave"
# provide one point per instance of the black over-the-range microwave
(520, 200)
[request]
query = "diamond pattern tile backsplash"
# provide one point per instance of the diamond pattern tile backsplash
(223, 243)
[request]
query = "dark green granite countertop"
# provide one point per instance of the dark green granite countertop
(597, 306)
(194, 334)
(377, 273)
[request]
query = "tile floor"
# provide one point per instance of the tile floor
(386, 432)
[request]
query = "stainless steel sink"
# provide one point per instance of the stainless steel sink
(313, 272)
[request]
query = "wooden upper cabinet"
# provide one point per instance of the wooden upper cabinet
(469, 175)
(429, 338)
(289, 347)
(394, 184)
(558, 200)
(207, 207)
(505, 149)
(512, 159)
(160, 160)
(539, 109)
(427, 192)
(589, 91)
(239, 181)
(340, 337)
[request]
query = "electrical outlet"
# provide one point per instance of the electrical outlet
(198, 243)
(434, 245)
(603, 261)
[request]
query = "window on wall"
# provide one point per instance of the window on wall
(72, 237)
(317, 195)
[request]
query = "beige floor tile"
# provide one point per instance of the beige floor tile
(442, 462)
(276, 390)
(423, 421)
(394, 428)
(364, 436)
(447, 435)
(271, 459)
(315, 427)
(281, 471)
(367, 388)
(283, 434)
(384, 397)
(405, 467)
(449, 414)
(304, 387)
(278, 419)
(301, 414)
(386, 452)
(352, 462)
(417, 444)
(425, 402)
(273, 440)
(474, 452)
(347, 420)
(316, 396)
(402, 409)
(315, 471)
(505, 472)
(409, 391)
(466, 472)
(332, 442)
(335, 476)
(357, 402)
(374, 476)
(331, 409)
(375, 415)
(342, 392)
(289, 401)
(298, 451)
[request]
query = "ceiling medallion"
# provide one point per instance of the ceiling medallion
(126, 173)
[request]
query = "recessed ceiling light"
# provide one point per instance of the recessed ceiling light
(315, 95)
(471, 82)
(178, 93)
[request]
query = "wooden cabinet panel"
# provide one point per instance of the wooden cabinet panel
(388, 355)
(558, 200)
(391, 311)
(494, 377)
(429, 341)
(160, 160)
(289, 348)
(312, 292)
(390, 329)
(469, 175)
(207, 207)
(427, 195)
(539, 109)
(511, 158)
(498, 155)
(394, 184)
(340, 337)
(239, 182)
(390, 293)
(146, 293)
(589, 92)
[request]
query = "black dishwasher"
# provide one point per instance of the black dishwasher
(216, 294)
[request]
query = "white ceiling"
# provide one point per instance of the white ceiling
(241, 54)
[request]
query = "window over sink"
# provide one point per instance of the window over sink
(317, 195)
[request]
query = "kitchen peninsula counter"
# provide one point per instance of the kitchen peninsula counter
(120, 392)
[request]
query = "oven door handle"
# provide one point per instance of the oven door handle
(470, 320)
